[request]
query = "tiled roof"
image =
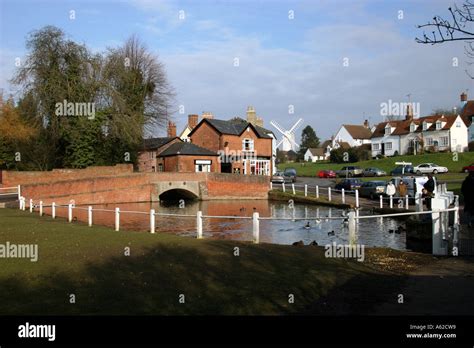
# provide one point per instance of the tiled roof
(317, 151)
(403, 126)
(326, 144)
(186, 149)
(358, 131)
(235, 126)
(155, 143)
(468, 112)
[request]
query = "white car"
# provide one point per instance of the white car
(429, 168)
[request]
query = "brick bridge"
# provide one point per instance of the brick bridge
(119, 184)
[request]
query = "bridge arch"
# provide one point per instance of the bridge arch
(175, 194)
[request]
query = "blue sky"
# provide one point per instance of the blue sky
(282, 61)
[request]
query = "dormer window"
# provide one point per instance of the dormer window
(412, 127)
(425, 125)
(388, 129)
(439, 125)
(247, 144)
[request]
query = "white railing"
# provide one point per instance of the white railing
(352, 218)
(15, 191)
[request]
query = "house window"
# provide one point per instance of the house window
(160, 167)
(152, 155)
(388, 130)
(438, 125)
(429, 141)
(375, 147)
(425, 126)
(443, 141)
(202, 166)
(260, 167)
(412, 128)
(388, 146)
(458, 124)
(247, 145)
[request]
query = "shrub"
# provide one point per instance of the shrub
(471, 146)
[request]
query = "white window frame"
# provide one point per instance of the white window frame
(388, 130)
(425, 126)
(250, 142)
(429, 142)
(444, 141)
(439, 125)
(375, 147)
(260, 167)
(388, 146)
(458, 124)
(412, 128)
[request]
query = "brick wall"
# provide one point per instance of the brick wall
(187, 163)
(13, 178)
(140, 187)
(207, 137)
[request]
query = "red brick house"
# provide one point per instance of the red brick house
(243, 147)
(147, 161)
(186, 157)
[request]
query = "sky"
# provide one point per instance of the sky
(331, 62)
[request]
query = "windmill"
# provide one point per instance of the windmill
(288, 141)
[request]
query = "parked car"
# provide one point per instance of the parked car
(281, 177)
(372, 189)
(469, 168)
(349, 171)
(348, 184)
(374, 172)
(426, 168)
(327, 174)
(401, 170)
(291, 172)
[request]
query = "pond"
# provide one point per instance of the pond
(370, 232)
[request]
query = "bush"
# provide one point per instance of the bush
(471, 146)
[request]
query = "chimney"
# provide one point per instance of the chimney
(409, 115)
(171, 129)
(193, 121)
(366, 123)
(207, 114)
(463, 98)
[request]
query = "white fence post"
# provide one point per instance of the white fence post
(381, 201)
(456, 227)
(256, 227)
(305, 190)
(199, 224)
(406, 202)
(329, 194)
(271, 185)
(117, 219)
(352, 225)
(53, 210)
(391, 201)
(41, 208)
(317, 191)
(152, 220)
(357, 198)
(293, 188)
(283, 186)
(69, 212)
(89, 215)
(31, 205)
(343, 196)
(19, 192)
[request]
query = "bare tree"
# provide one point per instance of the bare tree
(457, 28)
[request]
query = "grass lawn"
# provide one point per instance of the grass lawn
(387, 164)
(90, 263)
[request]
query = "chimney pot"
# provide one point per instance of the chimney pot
(464, 97)
(193, 120)
(171, 129)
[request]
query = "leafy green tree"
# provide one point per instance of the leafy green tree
(309, 139)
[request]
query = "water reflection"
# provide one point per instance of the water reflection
(370, 232)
